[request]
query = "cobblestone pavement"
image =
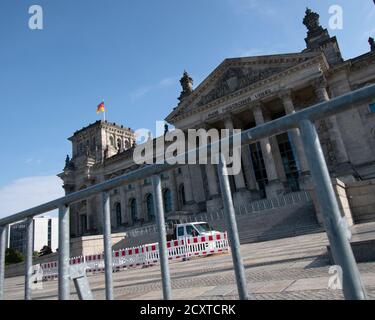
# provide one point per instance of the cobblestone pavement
(285, 269)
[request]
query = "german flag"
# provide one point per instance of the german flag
(100, 108)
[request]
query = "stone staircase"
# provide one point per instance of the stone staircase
(268, 219)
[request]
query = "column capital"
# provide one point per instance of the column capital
(285, 94)
(206, 126)
(227, 117)
(258, 114)
(257, 106)
(319, 83)
(286, 97)
(320, 87)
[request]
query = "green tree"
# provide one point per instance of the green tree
(13, 256)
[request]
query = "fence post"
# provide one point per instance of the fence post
(231, 223)
(64, 253)
(29, 256)
(163, 253)
(2, 259)
(108, 266)
(336, 229)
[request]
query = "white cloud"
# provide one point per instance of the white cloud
(139, 93)
(32, 161)
(142, 91)
(29, 192)
(167, 82)
(253, 6)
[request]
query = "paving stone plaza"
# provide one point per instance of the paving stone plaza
(285, 269)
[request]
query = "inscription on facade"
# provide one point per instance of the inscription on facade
(239, 104)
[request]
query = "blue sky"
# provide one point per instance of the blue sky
(132, 54)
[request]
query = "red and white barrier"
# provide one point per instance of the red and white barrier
(147, 255)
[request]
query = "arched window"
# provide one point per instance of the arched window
(133, 209)
(118, 214)
(167, 197)
(112, 141)
(119, 144)
(181, 191)
(127, 144)
(93, 145)
(150, 207)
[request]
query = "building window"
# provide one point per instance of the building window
(119, 144)
(150, 207)
(181, 190)
(289, 162)
(93, 145)
(133, 209)
(111, 141)
(259, 167)
(127, 144)
(17, 238)
(118, 214)
(167, 197)
(50, 233)
(83, 223)
(164, 176)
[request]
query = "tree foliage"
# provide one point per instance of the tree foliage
(13, 256)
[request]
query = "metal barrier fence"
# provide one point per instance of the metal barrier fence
(144, 255)
(335, 227)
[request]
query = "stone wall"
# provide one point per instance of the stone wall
(356, 201)
(91, 244)
(342, 200)
(361, 196)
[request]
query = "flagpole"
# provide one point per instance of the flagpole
(104, 111)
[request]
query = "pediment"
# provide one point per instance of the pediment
(236, 74)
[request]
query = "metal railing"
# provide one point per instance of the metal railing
(335, 227)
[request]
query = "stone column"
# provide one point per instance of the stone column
(274, 186)
(215, 202)
(287, 100)
(187, 185)
(280, 169)
(124, 205)
(248, 169)
(175, 204)
(213, 187)
(320, 87)
(239, 178)
(139, 198)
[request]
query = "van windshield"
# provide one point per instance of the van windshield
(203, 227)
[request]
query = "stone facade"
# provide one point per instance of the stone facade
(240, 93)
